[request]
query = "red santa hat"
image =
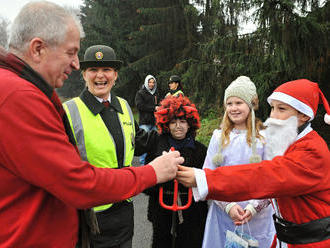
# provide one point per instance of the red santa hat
(303, 95)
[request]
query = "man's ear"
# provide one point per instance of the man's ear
(37, 49)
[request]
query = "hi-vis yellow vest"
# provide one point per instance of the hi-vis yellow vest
(175, 94)
(95, 143)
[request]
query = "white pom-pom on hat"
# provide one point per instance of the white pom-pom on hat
(327, 119)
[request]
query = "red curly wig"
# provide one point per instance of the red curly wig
(174, 107)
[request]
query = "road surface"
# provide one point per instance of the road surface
(142, 227)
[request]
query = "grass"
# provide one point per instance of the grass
(205, 132)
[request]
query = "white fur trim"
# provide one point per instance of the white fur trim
(229, 206)
(201, 191)
(293, 102)
(304, 132)
(251, 208)
(327, 119)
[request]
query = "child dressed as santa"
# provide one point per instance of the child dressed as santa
(297, 174)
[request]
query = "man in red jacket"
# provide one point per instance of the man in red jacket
(43, 181)
(298, 180)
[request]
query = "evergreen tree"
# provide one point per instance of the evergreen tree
(282, 48)
(204, 46)
(166, 34)
(105, 22)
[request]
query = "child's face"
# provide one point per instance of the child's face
(237, 111)
(282, 111)
(178, 128)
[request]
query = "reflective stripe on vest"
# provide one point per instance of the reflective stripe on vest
(95, 142)
(175, 94)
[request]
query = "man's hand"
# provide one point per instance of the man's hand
(166, 166)
(186, 176)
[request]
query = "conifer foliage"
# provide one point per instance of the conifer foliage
(200, 40)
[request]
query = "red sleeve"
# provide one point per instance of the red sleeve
(305, 168)
(35, 147)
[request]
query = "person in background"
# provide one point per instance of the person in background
(239, 141)
(175, 86)
(45, 187)
(177, 120)
(146, 103)
(297, 174)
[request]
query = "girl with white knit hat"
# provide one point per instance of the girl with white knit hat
(239, 141)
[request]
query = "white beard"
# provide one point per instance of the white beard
(280, 134)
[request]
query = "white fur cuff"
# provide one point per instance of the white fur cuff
(229, 206)
(251, 208)
(327, 119)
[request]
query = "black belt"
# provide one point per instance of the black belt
(310, 232)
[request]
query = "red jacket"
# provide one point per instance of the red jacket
(42, 178)
(299, 180)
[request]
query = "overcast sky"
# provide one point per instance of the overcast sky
(10, 8)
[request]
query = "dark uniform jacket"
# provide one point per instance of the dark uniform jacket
(117, 222)
(146, 103)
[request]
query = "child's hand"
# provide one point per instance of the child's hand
(186, 176)
(236, 213)
(247, 216)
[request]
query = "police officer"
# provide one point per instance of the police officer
(175, 86)
(104, 129)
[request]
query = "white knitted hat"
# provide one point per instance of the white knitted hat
(243, 88)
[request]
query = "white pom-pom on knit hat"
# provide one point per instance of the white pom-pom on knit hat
(303, 95)
(243, 88)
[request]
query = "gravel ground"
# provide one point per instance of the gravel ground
(142, 227)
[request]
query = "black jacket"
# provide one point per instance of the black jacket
(146, 103)
(190, 232)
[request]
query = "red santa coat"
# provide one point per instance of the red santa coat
(299, 180)
(42, 178)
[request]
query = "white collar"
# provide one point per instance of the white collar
(101, 99)
(305, 131)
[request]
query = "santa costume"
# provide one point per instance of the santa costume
(298, 180)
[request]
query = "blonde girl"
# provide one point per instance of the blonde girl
(239, 141)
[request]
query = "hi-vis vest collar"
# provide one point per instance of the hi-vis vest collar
(94, 141)
(177, 93)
